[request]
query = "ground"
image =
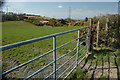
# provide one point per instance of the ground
(105, 65)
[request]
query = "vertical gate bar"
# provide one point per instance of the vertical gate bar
(88, 37)
(54, 57)
(78, 46)
(88, 41)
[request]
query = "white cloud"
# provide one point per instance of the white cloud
(60, 6)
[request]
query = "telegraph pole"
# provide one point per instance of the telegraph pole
(7, 8)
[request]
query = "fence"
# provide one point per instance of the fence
(55, 69)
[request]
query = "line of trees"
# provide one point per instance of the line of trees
(47, 22)
(11, 16)
(55, 22)
(42, 21)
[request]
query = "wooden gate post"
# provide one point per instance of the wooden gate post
(91, 35)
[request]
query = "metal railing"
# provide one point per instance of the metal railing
(55, 69)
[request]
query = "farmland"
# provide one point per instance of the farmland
(62, 56)
(16, 31)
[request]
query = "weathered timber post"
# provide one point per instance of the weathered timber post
(91, 36)
(107, 30)
(98, 34)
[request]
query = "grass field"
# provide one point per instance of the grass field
(16, 31)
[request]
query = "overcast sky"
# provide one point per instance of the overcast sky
(79, 10)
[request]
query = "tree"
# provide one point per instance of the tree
(86, 19)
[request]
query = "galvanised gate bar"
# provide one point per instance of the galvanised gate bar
(77, 61)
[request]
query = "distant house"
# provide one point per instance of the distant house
(44, 22)
(28, 17)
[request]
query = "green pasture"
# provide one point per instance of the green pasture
(17, 31)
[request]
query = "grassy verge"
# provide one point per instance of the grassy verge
(79, 74)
